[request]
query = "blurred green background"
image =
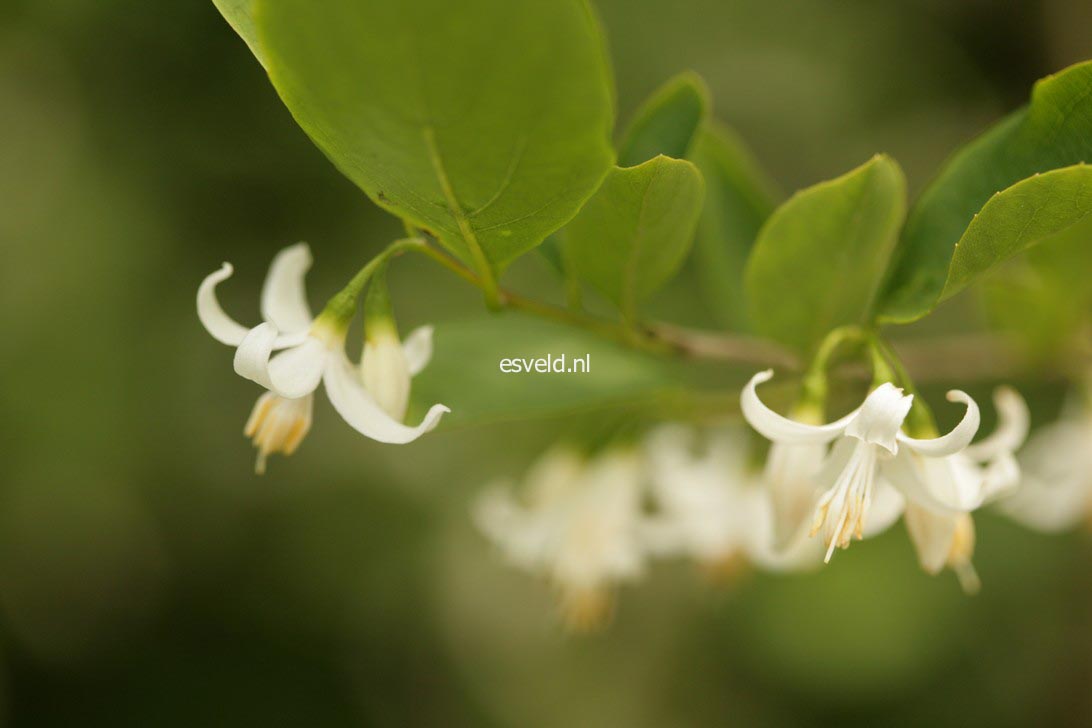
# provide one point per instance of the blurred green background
(147, 577)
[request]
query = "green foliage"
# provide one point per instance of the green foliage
(1054, 131)
(465, 371)
(738, 199)
(820, 258)
(633, 235)
(667, 122)
(1014, 220)
(240, 16)
(675, 122)
(486, 122)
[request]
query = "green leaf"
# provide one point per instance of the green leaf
(486, 122)
(1012, 221)
(820, 259)
(465, 374)
(240, 16)
(1054, 131)
(667, 122)
(739, 197)
(633, 235)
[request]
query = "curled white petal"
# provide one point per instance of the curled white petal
(781, 429)
(360, 410)
(1012, 427)
(950, 484)
(956, 440)
(252, 356)
(222, 327)
(418, 349)
(296, 372)
(284, 298)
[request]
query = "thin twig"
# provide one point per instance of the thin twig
(723, 347)
(935, 359)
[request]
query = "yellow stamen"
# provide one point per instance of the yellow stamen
(277, 425)
(587, 609)
(726, 569)
(959, 556)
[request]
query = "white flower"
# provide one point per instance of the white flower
(577, 524)
(311, 350)
(386, 372)
(1055, 492)
(863, 439)
(942, 492)
(712, 507)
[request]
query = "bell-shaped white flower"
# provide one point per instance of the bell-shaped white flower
(941, 492)
(712, 507)
(1055, 492)
(577, 524)
(862, 440)
(386, 373)
(310, 350)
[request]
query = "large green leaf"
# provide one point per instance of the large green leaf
(820, 258)
(738, 199)
(486, 122)
(465, 371)
(667, 122)
(1012, 221)
(633, 235)
(240, 16)
(1054, 131)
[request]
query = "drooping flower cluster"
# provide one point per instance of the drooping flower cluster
(934, 482)
(371, 397)
(591, 523)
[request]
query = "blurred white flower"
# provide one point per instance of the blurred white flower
(942, 492)
(577, 524)
(863, 439)
(1055, 492)
(712, 506)
(312, 350)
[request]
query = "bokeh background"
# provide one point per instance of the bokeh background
(147, 577)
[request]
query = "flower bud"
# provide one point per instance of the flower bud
(383, 366)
